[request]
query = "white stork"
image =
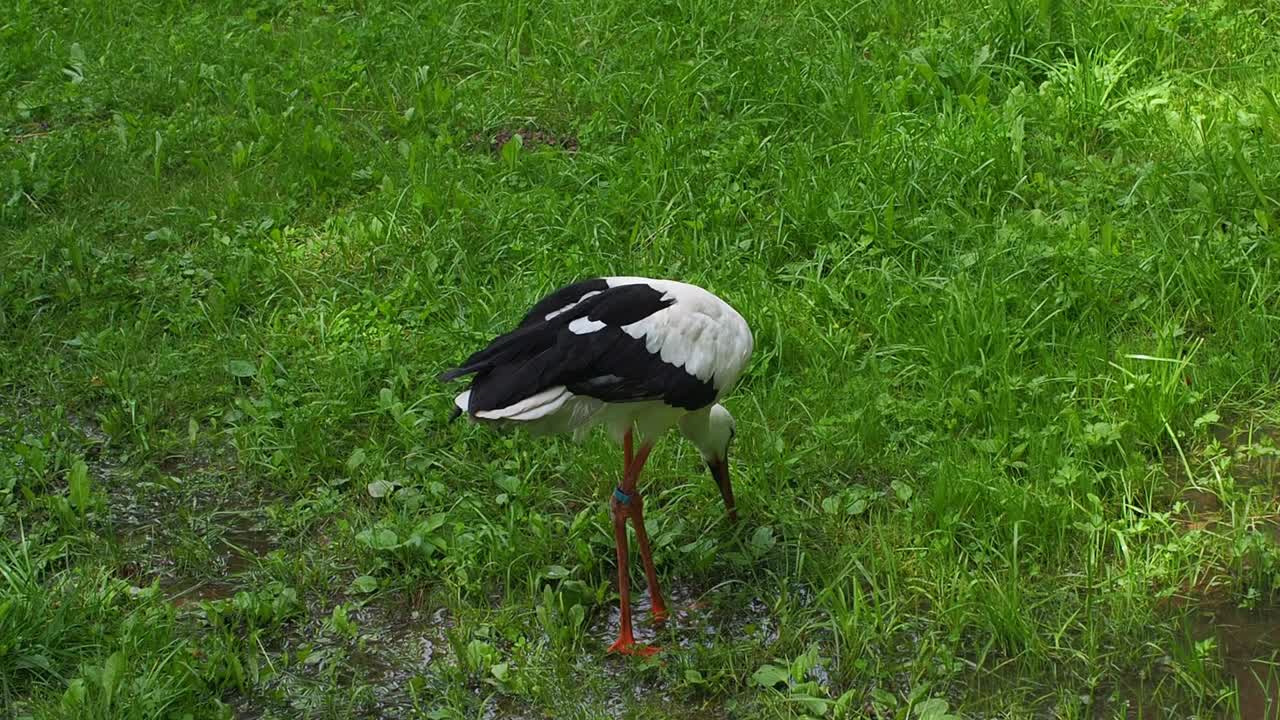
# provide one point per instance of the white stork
(638, 356)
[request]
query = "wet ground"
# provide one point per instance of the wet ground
(1254, 451)
(384, 668)
(400, 647)
(698, 616)
(1249, 643)
(1245, 641)
(196, 545)
(397, 646)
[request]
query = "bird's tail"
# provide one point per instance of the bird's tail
(516, 346)
(454, 373)
(460, 405)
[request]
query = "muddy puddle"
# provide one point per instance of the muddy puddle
(698, 616)
(245, 540)
(383, 669)
(178, 525)
(402, 659)
(1248, 641)
(1235, 649)
(1242, 455)
(238, 546)
(1254, 451)
(1235, 654)
(193, 548)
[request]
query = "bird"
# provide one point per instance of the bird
(635, 355)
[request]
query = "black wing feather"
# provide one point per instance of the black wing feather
(562, 298)
(607, 364)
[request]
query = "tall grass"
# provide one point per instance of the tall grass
(1012, 276)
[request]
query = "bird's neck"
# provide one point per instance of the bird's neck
(696, 426)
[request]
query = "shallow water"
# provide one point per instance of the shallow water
(698, 616)
(1249, 643)
(1254, 451)
(245, 540)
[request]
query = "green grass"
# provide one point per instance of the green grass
(1008, 435)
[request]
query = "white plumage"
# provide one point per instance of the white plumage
(677, 332)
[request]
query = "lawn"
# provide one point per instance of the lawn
(1007, 446)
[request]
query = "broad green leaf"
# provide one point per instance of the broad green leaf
(28, 662)
(73, 698)
(884, 698)
(508, 483)
(381, 539)
(902, 490)
(242, 368)
(511, 150)
(770, 675)
(431, 524)
(1207, 419)
(78, 486)
(556, 572)
(762, 539)
(812, 705)
(385, 539)
(933, 709)
(112, 674)
(356, 460)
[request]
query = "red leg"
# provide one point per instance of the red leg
(642, 536)
(627, 455)
(626, 643)
(642, 539)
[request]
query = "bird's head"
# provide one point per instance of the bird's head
(712, 433)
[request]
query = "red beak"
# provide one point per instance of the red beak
(720, 471)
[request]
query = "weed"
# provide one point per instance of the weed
(1007, 433)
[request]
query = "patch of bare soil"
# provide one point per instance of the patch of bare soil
(531, 138)
(30, 131)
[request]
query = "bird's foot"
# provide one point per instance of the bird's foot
(659, 613)
(628, 646)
